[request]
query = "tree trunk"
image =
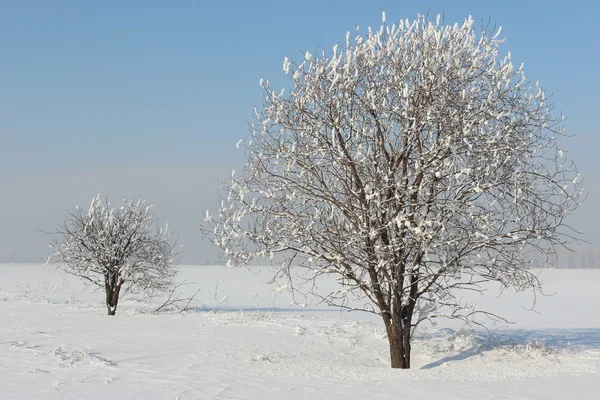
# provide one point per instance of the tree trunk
(112, 285)
(398, 332)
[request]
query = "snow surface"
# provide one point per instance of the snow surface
(242, 340)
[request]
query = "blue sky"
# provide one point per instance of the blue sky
(149, 98)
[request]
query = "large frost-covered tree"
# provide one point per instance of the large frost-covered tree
(116, 248)
(410, 162)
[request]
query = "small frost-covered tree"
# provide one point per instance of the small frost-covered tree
(116, 248)
(410, 162)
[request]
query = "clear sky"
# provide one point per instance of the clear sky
(148, 98)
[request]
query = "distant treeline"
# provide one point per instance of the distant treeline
(577, 258)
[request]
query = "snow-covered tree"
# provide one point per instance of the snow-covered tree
(410, 162)
(116, 248)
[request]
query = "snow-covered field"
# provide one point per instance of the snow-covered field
(242, 340)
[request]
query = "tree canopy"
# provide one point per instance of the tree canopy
(410, 162)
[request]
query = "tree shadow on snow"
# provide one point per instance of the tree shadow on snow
(582, 338)
(206, 308)
(544, 340)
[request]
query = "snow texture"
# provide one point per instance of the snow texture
(242, 340)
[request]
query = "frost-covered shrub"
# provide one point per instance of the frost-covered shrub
(117, 247)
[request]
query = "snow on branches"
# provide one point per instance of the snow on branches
(111, 247)
(409, 161)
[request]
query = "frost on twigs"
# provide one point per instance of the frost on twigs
(116, 248)
(410, 162)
